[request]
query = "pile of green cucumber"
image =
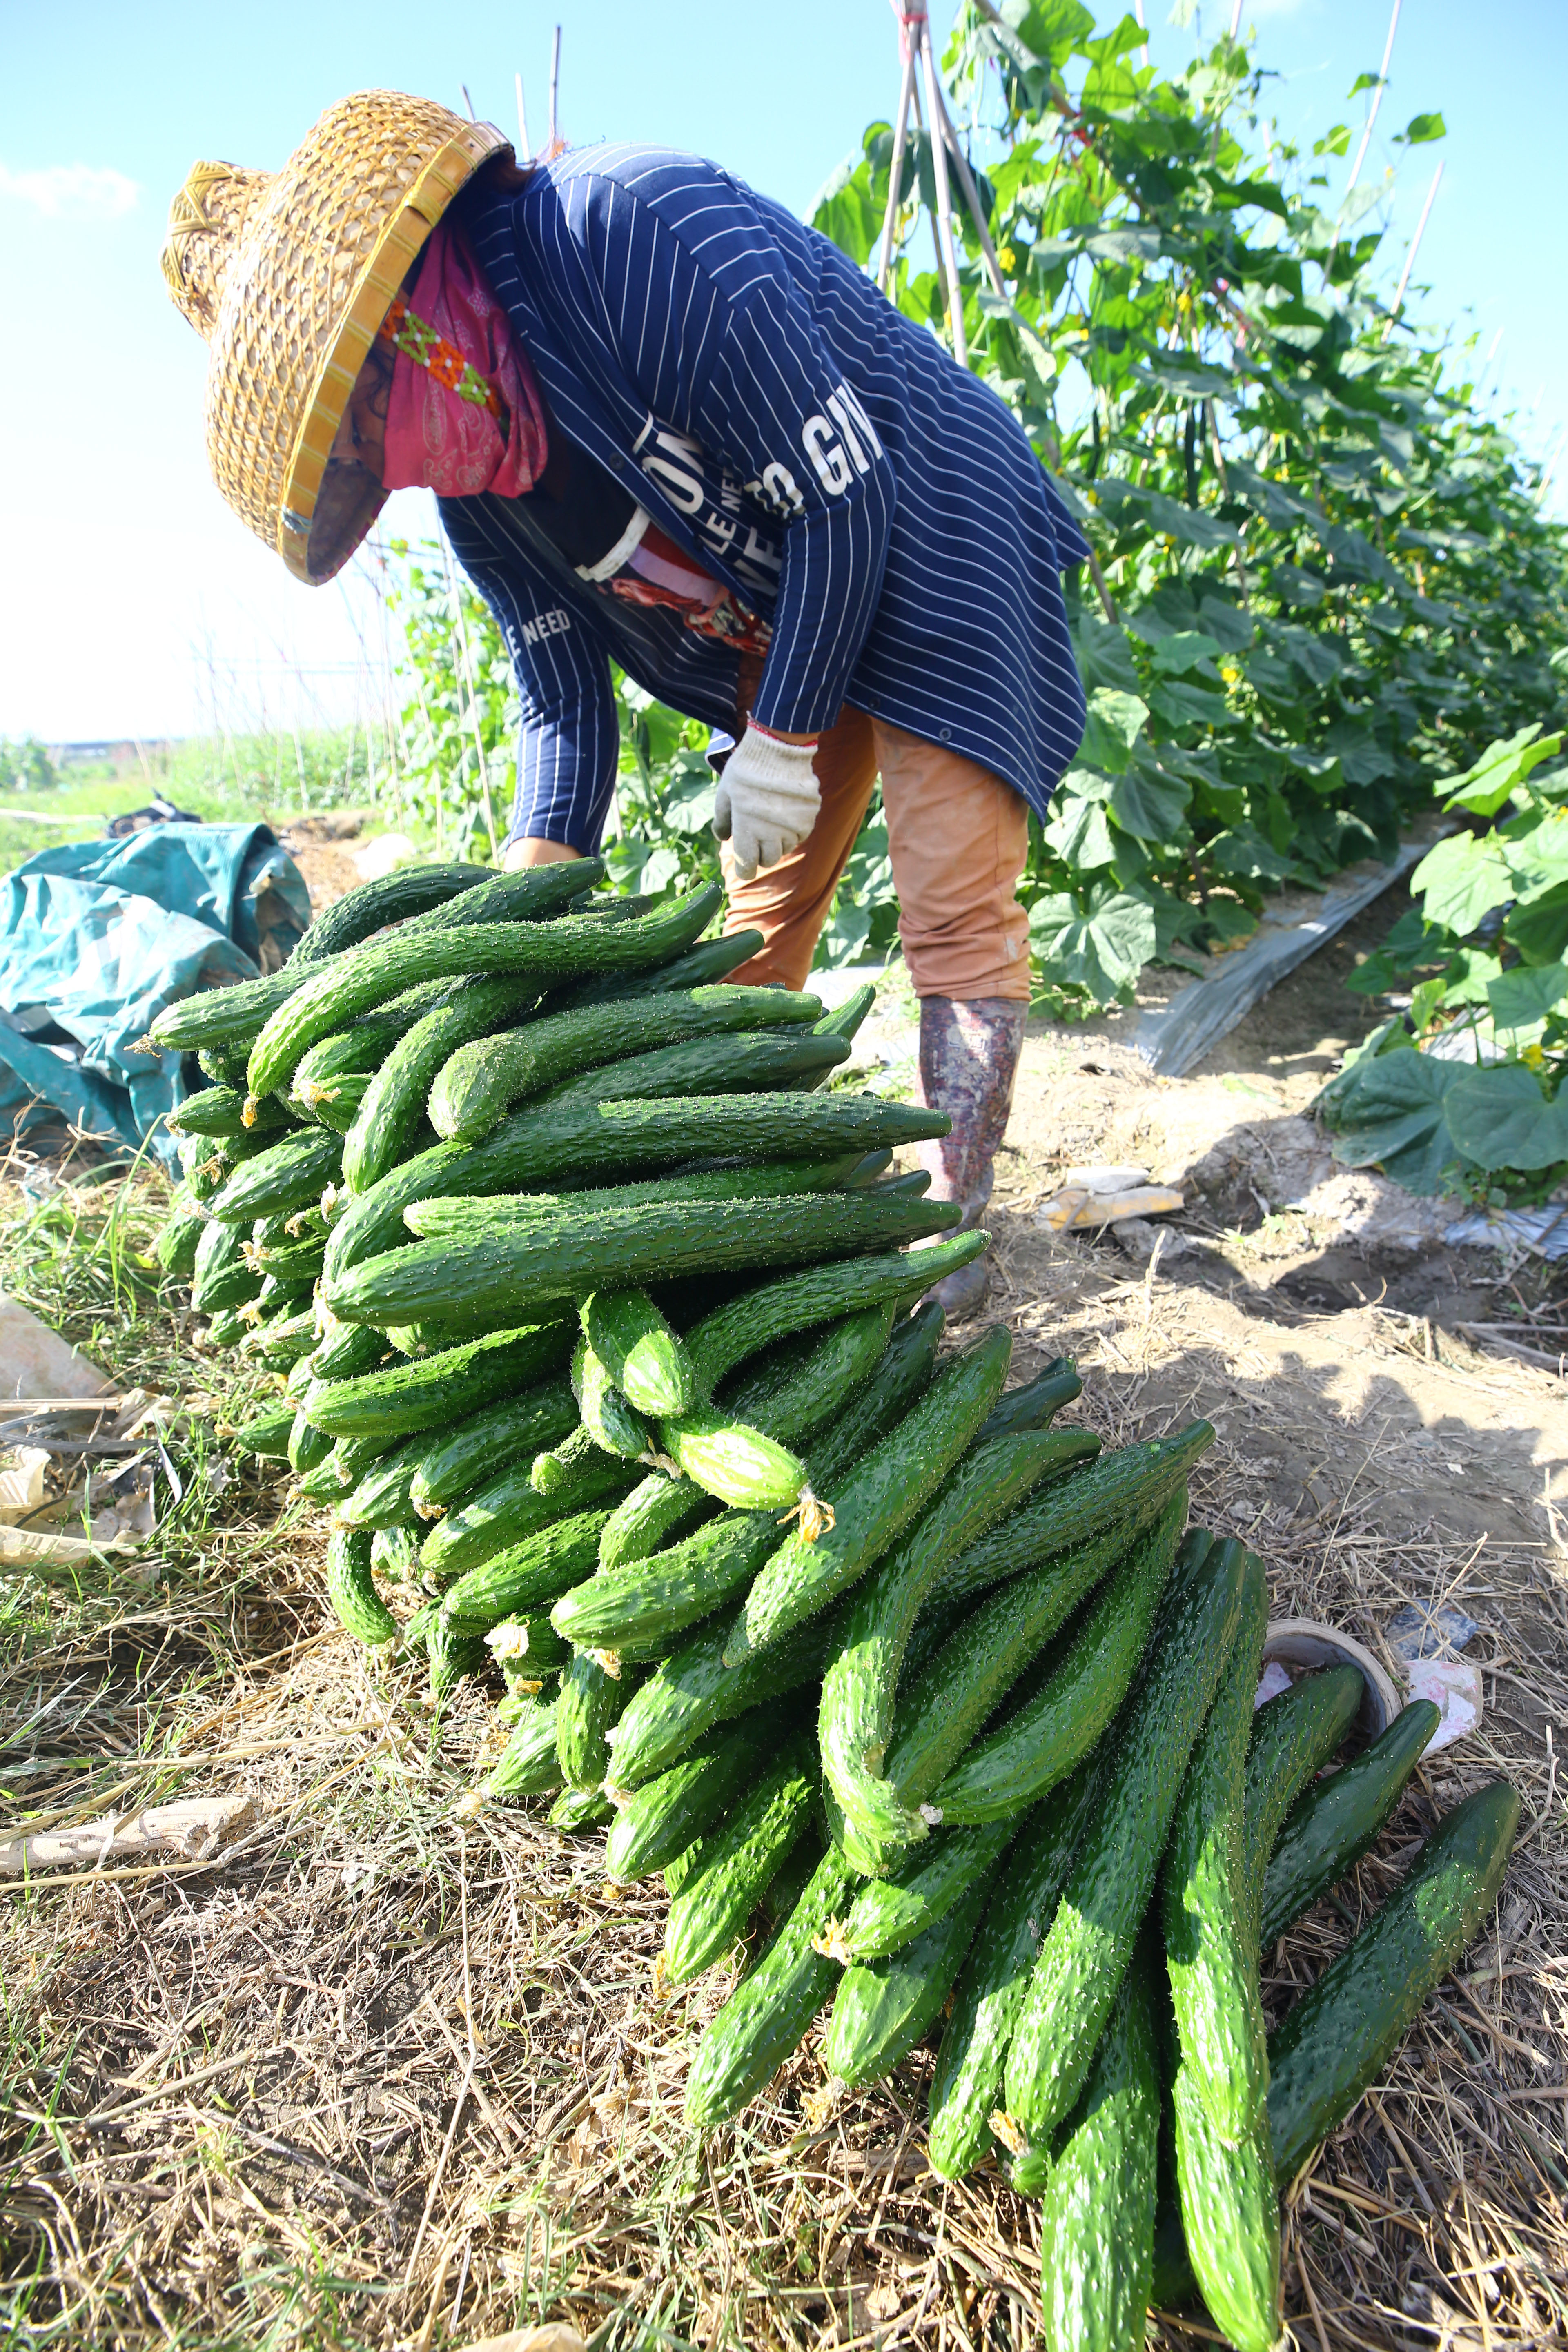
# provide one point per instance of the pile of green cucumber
(597, 1323)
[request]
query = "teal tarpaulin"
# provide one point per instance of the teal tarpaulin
(97, 937)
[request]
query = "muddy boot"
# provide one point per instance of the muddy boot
(969, 1059)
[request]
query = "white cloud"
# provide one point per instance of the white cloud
(72, 191)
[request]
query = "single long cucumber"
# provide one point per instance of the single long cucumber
(462, 1459)
(859, 1690)
(876, 1501)
(883, 2007)
(351, 984)
(708, 963)
(654, 1515)
(646, 1360)
(285, 1176)
(1339, 1819)
(1224, 2168)
(394, 1104)
(736, 1866)
(1097, 2223)
(285, 1339)
(534, 1148)
(481, 1081)
(334, 1106)
(693, 1690)
(220, 1016)
(1085, 1954)
(1064, 1517)
(528, 1577)
(900, 1381)
(390, 899)
(1293, 1737)
(640, 1609)
(530, 1266)
(889, 1913)
(430, 1391)
(1340, 2034)
(350, 1588)
(266, 1433)
(966, 2089)
(528, 895)
(797, 1302)
(349, 1053)
(381, 1497)
(1037, 1402)
(985, 1653)
(657, 1821)
(769, 2013)
(792, 1403)
(220, 1111)
(507, 1510)
(750, 1061)
(528, 1766)
(591, 1702)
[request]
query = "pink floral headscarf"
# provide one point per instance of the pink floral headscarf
(465, 413)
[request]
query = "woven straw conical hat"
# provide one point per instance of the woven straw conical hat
(289, 276)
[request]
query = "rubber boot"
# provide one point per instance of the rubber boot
(969, 1060)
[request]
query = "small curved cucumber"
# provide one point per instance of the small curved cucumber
(591, 1702)
(381, 1497)
(267, 1433)
(1339, 1818)
(462, 1458)
(528, 1766)
(743, 1467)
(350, 1588)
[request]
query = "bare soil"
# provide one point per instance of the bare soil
(397, 2076)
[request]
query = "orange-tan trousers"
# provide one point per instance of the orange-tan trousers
(957, 837)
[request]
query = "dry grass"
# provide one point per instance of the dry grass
(386, 2078)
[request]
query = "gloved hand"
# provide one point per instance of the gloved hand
(767, 801)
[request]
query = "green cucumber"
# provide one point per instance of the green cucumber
(1097, 2223)
(845, 1019)
(307, 1446)
(481, 1081)
(528, 1766)
(646, 1360)
(640, 1610)
(395, 1550)
(350, 1588)
(220, 1110)
(876, 1501)
(1108, 1494)
(608, 1419)
(224, 1016)
(1224, 2168)
(534, 1148)
(797, 1302)
(179, 1237)
(1090, 1944)
(769, 2013)
(1293, 1737)
(533, 1648)
(495, 1261)
(285, 1176)
(206, 1167)
(220, 1276)
(966, 2089)
(883, 2007)
(390, 899)
(701, 967)
(431, 1391)
(556, 1472)
(527, 1576)
(224, 1066)
(737, 1862)
(381, 1497)
(227, 1328)
(746, 1470)
(297, 1379)
(453, 1656)
(791, 1879)
(527, 895)
(506, 1510)
(592, 1703)
(577, 1810)
(659, 1821)
(744, 1062)
(392, 1106)
(1339, 1819)
(266, 1433)
(1342, 2029)
(463, 1458)
(972, 1667)
(900, 1380)
(347, 1057)
(889, 1913)
(285, 1340)
(1078, 1699)
(347, 1351)
(354, 982)
(677, 1872)
(860, 1687)
(792, 1401)
(654, 1516)
(693, 1690)
(1038, 1403)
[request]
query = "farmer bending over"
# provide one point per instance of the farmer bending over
(670, 428)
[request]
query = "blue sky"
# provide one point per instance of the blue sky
(132, 603)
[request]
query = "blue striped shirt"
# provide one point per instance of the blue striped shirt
(920, 543)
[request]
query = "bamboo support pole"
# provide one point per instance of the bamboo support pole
(1415, 249)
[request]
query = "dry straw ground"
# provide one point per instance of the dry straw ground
(388, 2078)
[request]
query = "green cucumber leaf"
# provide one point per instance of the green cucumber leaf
(1498, 1117)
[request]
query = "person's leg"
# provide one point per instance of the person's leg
(788, 902)
(958, 838)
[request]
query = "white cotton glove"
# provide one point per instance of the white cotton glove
(767, 801)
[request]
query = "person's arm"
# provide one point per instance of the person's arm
(569, 743)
